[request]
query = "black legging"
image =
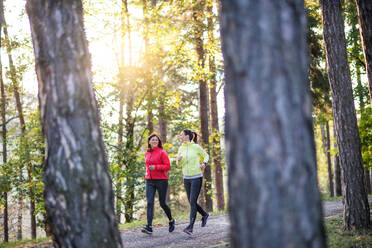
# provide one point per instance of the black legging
(193, 187)
(151, 187)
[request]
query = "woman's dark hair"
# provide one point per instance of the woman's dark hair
(192, 135)
(149, 148)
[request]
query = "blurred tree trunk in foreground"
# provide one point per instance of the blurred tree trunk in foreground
(274, 200)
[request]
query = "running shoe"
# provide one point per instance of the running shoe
(146, 229)
(188, 231)
(172, 225)
(204, 220)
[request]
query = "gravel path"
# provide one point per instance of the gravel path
(215, 234)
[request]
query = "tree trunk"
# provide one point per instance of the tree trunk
(274, 199)
(121, 83)
(336, 165)
(216, 141)
(3, 128)
(326, 150)
(367, 181)
(119, 186)
(78, 189)
(6, 218)
(147, 76)
(370, 178)
(17, 97)
(360, 88)
(356, 208)
(150, 117)
(330, 174)
(163, 129)
(365, 27)
(198, 17)
(162, 122)
(129, 163)
(19, 218)
(129, 159)
(362, 106)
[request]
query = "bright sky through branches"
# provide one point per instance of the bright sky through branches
(102, 25)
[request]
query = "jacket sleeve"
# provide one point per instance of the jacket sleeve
(165, 163)
(146, 164)
(203, 154)
(178, 154)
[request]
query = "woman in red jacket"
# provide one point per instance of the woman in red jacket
(157, 167)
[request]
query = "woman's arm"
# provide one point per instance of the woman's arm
(165, 163)
(203, 154)
(179, 156)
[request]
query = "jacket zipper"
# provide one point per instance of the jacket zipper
(149, 165)
(187, 160)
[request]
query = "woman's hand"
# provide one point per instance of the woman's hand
(152, 167)
(179, 158)
(203, 165)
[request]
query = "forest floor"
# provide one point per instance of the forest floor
(214, 235)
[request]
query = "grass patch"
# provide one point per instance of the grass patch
(338, 238)
(26, 243)
(156, 222)
(328, 198)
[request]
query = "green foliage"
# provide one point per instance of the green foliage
(319, 85)
(26, 155)
(365, 132)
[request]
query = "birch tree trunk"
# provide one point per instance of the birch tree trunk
(356, 208)
(274, 199)
(78, 189)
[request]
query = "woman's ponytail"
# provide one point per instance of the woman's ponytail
(194, 137)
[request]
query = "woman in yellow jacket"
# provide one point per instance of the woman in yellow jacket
(193, 159)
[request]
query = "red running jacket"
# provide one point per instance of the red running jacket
(159, 158)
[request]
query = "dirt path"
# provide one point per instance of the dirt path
(215, 234)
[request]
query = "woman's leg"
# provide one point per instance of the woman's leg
(194, 194)
(150, 195)
(201, 210)
(162, 190)
(187, 184)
